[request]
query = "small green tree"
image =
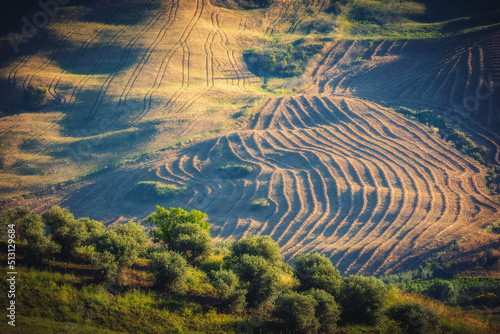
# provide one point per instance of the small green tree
(298, 312)
(170, 271)
(414, 318)
(15, 217)
(362, 299)
(125, 242)
(263, 246)
(327, 311)
(35, 97)
(442, 290)
(191, 241)
(30, 229)
(94, 229)
(106, 266)
(66, 230)
(263, 278)
(165, 221)
(227, 284)
(272, 63)
(315, 271)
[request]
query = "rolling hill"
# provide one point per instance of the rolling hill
(157, 92)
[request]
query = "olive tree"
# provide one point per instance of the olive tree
(263, 278)
(125, 242)
(165, 220)
(263, 246)
(66, 230)
(327, 311)
(170, 270)
(414, 318)
(298, 312)
(31, 229)
(227, 284)
(362, 299)
(315, 271)
(191, 241)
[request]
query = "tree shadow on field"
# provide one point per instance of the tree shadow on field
(101, 58)
(123, 14)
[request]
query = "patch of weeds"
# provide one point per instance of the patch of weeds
(235, 171)
(147, 191)
(260, 203)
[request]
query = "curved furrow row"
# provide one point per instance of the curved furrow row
(72, 63)
(209, 66)
(279, 141)
(122, 100)
(443, 92)
(237, 69)
(11, 77)
(162, 71)
(104, 50)
(466, 167)
(129, 48)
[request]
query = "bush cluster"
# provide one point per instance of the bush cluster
(308, 296)
(280, 62)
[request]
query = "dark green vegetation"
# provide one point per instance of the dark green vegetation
(35, 97)
(243, 4)
(281, 61)
(493, 180)
(438, 282)
(457, 138)
(148, 191)
(234, 171)
(113, 280)
(260, 203)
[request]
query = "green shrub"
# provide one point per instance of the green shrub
(263, 278)
(166, 220)
(263, 246)
(149, 191)
(106, 266)
(442, 290)
(282, 62)
(35, 97)
(170, 270)
(327, 312)
(235, 171)
(191, 241)
(315, 271)
(66, 230)
(362, 299)
(414, 318)
(126, 242)
(298, 312)
(260, 203)
(227, 284)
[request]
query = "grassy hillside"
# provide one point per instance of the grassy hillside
(233, 287)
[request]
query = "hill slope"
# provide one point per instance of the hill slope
(326, 168)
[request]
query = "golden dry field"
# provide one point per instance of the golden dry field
(158, 91)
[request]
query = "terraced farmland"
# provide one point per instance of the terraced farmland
(343, 176)
(327, 168)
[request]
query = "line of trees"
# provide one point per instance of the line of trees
(308, 295)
